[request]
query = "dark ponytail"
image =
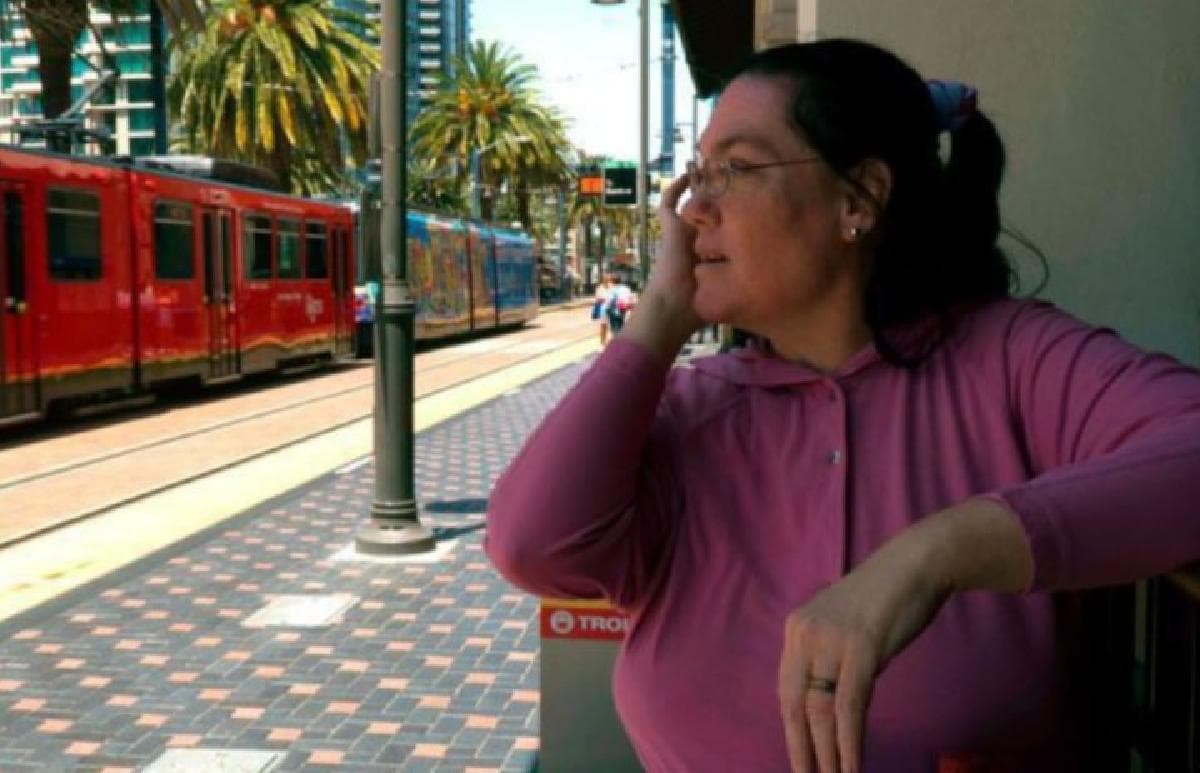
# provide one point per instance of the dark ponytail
(936, 237)
(971, 186)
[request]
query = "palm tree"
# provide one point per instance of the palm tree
(489, 102)
(277, 83)
(55, 26)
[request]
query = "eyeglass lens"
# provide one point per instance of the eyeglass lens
(708, 181)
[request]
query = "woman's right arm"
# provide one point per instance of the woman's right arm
(585, 509)
(588, 506)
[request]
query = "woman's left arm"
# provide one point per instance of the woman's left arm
(1113, 435)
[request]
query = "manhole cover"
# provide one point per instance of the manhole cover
(302, 611)
(215, 761)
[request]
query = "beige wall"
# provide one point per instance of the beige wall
(1098, 102)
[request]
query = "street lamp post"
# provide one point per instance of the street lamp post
(643, 181)
(560, 203)
(643, 192)
(394, 527)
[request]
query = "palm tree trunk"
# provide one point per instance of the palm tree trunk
(523, 194)
(487, 204)
(55, 25)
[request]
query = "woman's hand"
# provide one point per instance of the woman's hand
(834, 645)
(665, 318)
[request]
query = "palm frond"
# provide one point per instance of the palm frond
(277, 82)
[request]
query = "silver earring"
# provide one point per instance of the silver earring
(853, 233)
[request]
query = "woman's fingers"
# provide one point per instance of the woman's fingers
(820, 689)
(672, 281)
(793, 687)
(673, 193)
(825, 679)
(855, 680)
(820, 708)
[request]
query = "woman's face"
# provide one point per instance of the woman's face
(772, 248)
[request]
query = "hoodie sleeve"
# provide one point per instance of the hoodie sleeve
(585, 510)
(1113, 435)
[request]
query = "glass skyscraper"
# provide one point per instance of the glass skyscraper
(438, 31)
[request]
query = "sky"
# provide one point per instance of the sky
(587, 58)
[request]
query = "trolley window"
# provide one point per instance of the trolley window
(73, 234)
(258, 247)
(289, 249)
(174, 241)
(316, 256)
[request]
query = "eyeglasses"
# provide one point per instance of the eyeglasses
(712, 181)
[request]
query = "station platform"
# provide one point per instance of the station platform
(264, 643)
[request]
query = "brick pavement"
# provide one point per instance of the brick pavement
(433, 668)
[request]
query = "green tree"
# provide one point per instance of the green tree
(282, 84)
(490, 103)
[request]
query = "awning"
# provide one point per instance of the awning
(717, 37)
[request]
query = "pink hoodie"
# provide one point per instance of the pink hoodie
(712, 500)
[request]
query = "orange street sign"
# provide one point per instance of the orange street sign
(591, 186)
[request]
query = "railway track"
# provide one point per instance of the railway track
(71, 485)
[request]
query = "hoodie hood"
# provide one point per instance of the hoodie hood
(756, 364)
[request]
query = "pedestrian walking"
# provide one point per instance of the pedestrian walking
(600, 306)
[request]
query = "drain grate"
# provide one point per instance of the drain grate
(302, 611)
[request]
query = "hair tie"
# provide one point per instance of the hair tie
(953, 103)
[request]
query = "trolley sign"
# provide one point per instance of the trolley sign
(577, 619)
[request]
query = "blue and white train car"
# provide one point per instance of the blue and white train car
(465, 276)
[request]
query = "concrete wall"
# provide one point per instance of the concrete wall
(1098, 102)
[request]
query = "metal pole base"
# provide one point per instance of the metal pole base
(400, 540)
(393, 531)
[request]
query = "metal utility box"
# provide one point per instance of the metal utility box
(580, 729)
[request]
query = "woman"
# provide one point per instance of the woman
(839, 544)
(600, 306)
